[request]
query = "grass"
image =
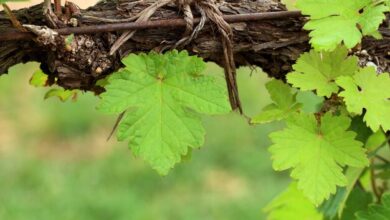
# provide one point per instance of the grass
(56, 164)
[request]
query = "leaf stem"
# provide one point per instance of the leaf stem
(385, 142)
(15, 22)
(118, 120)
(382, 159)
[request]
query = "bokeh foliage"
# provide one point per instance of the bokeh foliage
(56, 164)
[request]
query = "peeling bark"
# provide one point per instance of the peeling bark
(273, 45)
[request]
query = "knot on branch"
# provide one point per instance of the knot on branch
(46, 36)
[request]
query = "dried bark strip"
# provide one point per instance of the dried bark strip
(273, 45)
(123, 25)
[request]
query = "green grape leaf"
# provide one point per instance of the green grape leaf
(370, 91)
(387, 3)
(102, 82)
(311, 103)
(371, 18)
(284, 103)
(330, 206)
(353, 174)
(384, 175)
(375, 211)
(337, 203)
(334, 21)
(62, 94)
(292, 205)
(39, 79)
(290, 4)
(360, 128)
(69, 40)
(357, 200)
(163, 96)
(318, 71)
(317, 152)
(375, 142)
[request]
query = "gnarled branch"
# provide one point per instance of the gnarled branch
(273, 45)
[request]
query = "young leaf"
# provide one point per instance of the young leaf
(292, 205)
(61, 94)
(69, 39)
(39, 79)
(377, 212)
(290, 4)
(375, 142)
(102, 82)
(317, 152)
(335, 21)
(163, 95)
(367, 90)
(318, 71)
(284, 103)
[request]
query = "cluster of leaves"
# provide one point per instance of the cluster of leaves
(319, 147)
(164, 94)
(334, 21)
(40, 79)
(328, 151)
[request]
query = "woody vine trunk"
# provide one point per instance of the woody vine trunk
(273, 45)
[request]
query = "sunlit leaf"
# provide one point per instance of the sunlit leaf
(317, 152)
(370, 91)
(292, 205)
(335, 21)
(61, 94)
(318, 71)
(163, 96)
(39, 79)
(284, 103)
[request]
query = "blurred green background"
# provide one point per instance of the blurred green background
(55, 162)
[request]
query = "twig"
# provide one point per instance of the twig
(382, 159)
(57, 7)
(388, 138)
(167, 23)
(141, 17)
(48, 13)
(118, 120)
(108, 20)
(15, 22)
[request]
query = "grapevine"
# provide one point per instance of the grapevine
(161, 92)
